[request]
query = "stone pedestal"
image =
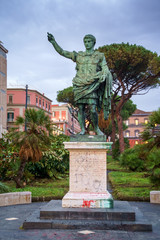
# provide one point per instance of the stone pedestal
(88, 175)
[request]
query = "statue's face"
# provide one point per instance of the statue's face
(89, 43)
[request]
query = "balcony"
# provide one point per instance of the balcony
(10, 120)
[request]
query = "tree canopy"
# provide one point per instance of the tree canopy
(135, 69)
(66, 95)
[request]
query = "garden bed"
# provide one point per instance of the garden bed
(128, 185)
(43, 189)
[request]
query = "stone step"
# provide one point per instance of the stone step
(54, 210)
(74, 222)
(35, 223)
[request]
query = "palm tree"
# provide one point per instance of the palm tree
(33, 141)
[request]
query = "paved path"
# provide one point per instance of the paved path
(12, 217)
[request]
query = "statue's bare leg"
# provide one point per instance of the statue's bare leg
(94, 118)
(81, 118)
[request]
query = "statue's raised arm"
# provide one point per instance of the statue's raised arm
(62, 52)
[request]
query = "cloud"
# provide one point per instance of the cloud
(32, 60)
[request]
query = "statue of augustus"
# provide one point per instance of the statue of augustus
(92, 84)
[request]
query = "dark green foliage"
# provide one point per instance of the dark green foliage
(55, 161)
(3, 188)
(154, 165)
(9, 159)
(66, 95)
(33, 141)
(151, 134)
(128, 109)
(131, 160)
(116, 150)
(133, 64)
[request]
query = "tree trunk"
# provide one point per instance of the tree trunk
(120, 132)
(20, 174)
(113, 135)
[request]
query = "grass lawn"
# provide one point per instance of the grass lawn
(127, 185)
(43, 188)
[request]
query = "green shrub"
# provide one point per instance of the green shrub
(153, 165)
(131, 160)
(55, 161)
(9, 159)
(3, 188)
(116, 152)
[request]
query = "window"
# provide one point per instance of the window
(146, 121)
(136, 142)
(10, 99)
(53, 114)
(40, 102)
(127, 122)
(136, 133)
(43, 104)
(136, 121)
(46, 106)
(49, 107)
(127, 133)
(28, 99)
(36, 101)
(10, 117)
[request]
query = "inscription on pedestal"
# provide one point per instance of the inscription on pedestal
(87, 171)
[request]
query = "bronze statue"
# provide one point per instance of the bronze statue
(92, 84)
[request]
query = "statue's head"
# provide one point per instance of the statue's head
(90, 36)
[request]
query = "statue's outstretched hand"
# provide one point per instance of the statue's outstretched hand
(50, 37)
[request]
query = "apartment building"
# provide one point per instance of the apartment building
(63, 118)
(136, 124)
(3, 89)
(16, 103)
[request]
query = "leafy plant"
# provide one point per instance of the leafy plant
(9, 159)
(116, 150)
(154, 165)
(151, 134)
(31, 142)
(54, 162)
(3, 188)
(131, 160)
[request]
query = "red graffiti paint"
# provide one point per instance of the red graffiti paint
(87, 203)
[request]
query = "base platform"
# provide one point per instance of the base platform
(122, 217)
(89, 200)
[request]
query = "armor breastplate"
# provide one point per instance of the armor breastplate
(87, 64)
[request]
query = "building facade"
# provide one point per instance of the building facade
(3, 89)
(16, 103)
(136, 124)
(64, 121)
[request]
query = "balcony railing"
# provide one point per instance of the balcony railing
(10, 120)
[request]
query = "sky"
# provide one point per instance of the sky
(32, 60)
